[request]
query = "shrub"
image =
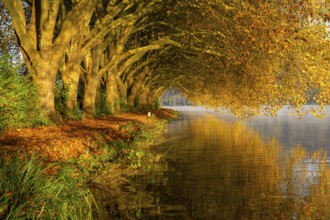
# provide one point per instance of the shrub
(18, 98)
(28, 192)
(60, 94)
(60, 97)
(102, 108)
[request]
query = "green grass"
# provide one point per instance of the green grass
(131, 150)
(28, 192)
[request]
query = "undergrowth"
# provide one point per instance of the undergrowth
(18, 98)
(131, 150)
(31, 188)
(29, 191)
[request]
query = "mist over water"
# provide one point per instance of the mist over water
(289, 130)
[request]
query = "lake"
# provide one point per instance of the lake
(215, 166)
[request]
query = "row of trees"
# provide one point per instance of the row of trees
(260, 55)
(108, 44)
(250, 56)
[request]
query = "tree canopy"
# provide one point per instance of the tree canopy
(249, 56)
(256, 56)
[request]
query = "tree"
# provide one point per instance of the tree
(248, 56)
(43, 40)
(259, 57)
(18, 98)
(92, 36)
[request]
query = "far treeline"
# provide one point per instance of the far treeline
(174, 98)
(249, 56)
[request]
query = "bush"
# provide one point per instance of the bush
(102, 108)
(60, 93)
(18, 98)
(27, 191)
(60, 98)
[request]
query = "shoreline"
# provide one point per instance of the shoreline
(97, 153)
(75, 137)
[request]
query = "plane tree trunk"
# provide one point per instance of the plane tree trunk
(71, 70)
(133, 98)
(92, 77)
(70, 79)
(43, 43)
(112, 92)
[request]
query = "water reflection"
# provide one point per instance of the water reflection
(217, 169)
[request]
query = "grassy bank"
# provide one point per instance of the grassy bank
(30, 190)
(51, 178)
(130, 151)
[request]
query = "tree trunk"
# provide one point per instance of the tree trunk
(70, 77)
(70, 71)
(112, 93)
(133, 97)
(154, 100)
(90, 90)
(41, 48)
(151, 101)
(122, 94)
(92, 80)
(45, 83)
(98, 98)
(143, 97)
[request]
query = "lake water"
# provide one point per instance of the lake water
(215, 166)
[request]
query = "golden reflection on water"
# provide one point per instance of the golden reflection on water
(222, 170)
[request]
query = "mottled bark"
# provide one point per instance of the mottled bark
(41, 48)
(133, 98)
(122, 92)
(91, 83)
(90, 90)
(98, 98)
(143, 97)
(70, 71)
(112, 93)
(46, 84)
(71, 80)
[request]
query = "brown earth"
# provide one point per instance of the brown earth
(72, 138)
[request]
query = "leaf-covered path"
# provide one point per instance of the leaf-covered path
(73, 138)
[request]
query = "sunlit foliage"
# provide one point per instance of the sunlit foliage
(257, 56)
(18, 98)
(248, 56)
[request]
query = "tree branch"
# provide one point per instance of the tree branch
(82, 12)
(15, 9)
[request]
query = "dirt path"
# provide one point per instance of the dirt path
(73, 138)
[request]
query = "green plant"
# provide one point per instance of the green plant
(103, 108)
(90, 165)
(119, 145)
(27, 191)
(103, 154)
(121, 104)
(60, 93)
(157, 104)
(136, 156)
(18, 98)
